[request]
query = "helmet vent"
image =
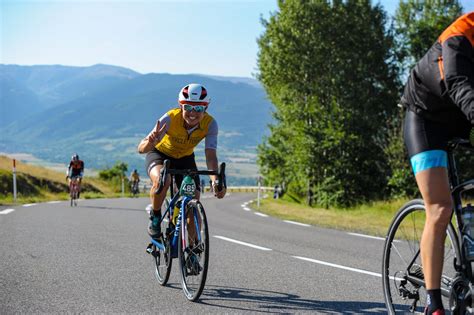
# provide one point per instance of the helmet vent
(203, 93)
(185, 92)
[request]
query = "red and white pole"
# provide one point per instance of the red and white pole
(14, 181)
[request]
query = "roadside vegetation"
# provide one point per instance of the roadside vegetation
(336, 138)
(371, 218)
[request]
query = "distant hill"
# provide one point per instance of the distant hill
(103, 111)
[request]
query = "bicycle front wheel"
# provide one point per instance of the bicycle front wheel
(402, 273)
(163, 260)
(193, 250)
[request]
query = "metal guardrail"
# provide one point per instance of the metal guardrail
(246, 188)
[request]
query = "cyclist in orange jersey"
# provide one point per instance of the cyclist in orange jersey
(439, 97)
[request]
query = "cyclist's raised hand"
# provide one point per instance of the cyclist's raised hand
(149, 142)
(155, 134)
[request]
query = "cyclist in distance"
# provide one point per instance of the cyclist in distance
(439, 98)
(75, 169)
(134, 178)
(174, 138)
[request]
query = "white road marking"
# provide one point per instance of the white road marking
(29, 205)
(54, 201)
(296, 223)
(339, 266)
(243, 205)
(246, 209)
(368, 236)
(7, 211)
(241, 243)
(261, 214)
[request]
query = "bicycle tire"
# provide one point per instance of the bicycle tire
(163, 260)
(403, 288)
(194, 259)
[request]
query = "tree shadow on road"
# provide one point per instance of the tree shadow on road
(264, 301)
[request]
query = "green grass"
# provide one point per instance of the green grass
(372, 218)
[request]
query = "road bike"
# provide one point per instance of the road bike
(185, 233)
(134, 188)
(74, 190)
(402, 272)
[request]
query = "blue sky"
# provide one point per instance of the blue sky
(209, 37)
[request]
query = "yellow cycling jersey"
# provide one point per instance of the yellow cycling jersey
(177, 143)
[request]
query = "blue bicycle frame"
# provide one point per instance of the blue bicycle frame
(174, 241)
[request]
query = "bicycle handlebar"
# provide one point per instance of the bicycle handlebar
(165, 171)
(454, 143)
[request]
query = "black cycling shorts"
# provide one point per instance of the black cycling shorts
(156, 157)
(427, 141)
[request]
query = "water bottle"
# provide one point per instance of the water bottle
(468, 231)
(177, 208)
(188, 187)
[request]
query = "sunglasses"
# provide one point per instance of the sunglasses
(196, 108)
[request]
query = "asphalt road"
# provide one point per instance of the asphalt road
(92, 259)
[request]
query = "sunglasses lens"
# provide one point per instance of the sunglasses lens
(197, 108)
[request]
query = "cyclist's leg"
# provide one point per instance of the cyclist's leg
(426, 142)
(434, 188)
(154, 164)
(79, 181)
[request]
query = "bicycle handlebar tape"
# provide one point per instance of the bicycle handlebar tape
(221, 177)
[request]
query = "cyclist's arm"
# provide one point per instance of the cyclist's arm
(68, 171)
(459, 73)
(211, 148)
(155, 135)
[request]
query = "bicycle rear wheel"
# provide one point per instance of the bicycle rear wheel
(193, 250)
(163, 260)
(402, 273)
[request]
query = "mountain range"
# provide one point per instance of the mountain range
(103, 111)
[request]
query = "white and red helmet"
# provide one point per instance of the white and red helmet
(194, 94)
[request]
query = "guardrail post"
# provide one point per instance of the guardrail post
(258, 191)
(14, 181)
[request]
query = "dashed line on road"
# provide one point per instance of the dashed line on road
(368, 236)
(296, 223)
(242, 243)
(7, 211)
(246, 208)
(339, 266)
(261, 214)
(29, 204)
(54, 201)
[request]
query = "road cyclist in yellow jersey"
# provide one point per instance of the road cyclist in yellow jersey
(134, 180)
(174, 138)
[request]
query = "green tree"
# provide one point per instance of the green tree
(115, 174)
(326, 67)
(417, 25)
